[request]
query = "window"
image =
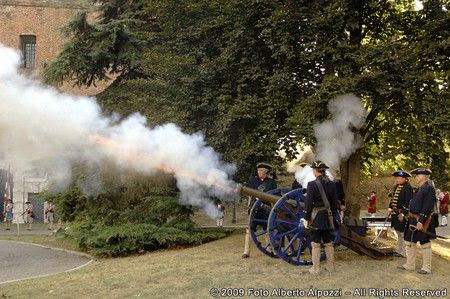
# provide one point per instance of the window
(28, 46)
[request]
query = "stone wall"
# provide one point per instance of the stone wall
(43, 19)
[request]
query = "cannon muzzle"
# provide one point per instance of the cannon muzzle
(264, 197)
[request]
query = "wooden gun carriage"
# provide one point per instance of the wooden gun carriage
(277, 230)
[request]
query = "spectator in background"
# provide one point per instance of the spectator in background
(8, 214)
(221, 215)
(443, 208)
(29, 214)
(50, 213)
(372, 208)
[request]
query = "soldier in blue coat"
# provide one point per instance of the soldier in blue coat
(263, 183)
(399, 206)
(420, 220)
(321, 213)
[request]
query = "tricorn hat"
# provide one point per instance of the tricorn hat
(264, 165)
(319, 165)
(424, 171)
(28, 201)
(401, 173)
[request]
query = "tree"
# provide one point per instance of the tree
(378, 54)
(206, 65)
(254, 76)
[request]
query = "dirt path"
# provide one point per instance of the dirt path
(23, 260)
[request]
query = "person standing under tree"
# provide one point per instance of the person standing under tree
(398, 208)
(421, 222)
(372, 208)
(443, 208)
(261, 182)
(321, 216)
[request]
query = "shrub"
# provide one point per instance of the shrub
(125, 239)
(115, 213)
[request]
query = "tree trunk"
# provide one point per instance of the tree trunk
(350, 176)
(351, 169)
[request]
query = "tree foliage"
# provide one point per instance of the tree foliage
(254, 76)
(111, 196)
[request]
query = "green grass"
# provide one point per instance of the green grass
(192, 272)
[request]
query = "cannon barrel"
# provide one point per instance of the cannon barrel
(264, 197)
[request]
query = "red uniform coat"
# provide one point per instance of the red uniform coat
(443, 207)
(372, 208)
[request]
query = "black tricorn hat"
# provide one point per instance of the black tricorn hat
(424, 171)
(401, 173)
(319, 165)
(264, 165)
(28, 201)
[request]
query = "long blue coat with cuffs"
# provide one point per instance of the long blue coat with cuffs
(314, 200)
(421, 205)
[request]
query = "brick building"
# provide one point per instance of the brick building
(33, 27)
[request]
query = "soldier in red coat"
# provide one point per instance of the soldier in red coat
(443, 208)
(372, 208)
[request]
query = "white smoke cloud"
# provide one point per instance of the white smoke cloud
(304, 175)
(37, 123)
(336, 140)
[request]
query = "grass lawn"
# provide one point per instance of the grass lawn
(192, 272)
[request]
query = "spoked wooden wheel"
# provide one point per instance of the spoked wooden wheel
(259, 215)
(288, 236)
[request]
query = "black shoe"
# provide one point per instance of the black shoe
(244, 256)
(422, 272)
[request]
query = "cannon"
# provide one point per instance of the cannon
(277, 230)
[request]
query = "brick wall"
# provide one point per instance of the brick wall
(44, 19)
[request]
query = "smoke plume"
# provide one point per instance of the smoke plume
(337, 138)
(304, 175)
(38, 123)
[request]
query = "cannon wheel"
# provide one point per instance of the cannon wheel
(259, 215)
(288, 235)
